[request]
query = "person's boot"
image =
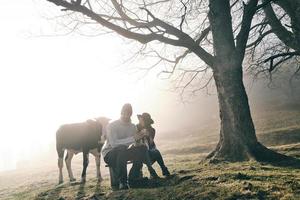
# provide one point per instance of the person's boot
(153, 174)
(123, 186)
(165, 171)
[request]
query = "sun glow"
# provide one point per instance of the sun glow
(49, 81)
(52, 86)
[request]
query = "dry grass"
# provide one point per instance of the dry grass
(248, 180)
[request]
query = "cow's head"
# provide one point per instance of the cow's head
(104, 122)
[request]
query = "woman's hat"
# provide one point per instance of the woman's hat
(146, 117)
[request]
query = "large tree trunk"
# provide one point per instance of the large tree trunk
(237, 134)
(238, 140)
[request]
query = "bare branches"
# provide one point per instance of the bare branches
(182, 39)
(275, 43)
(264, 4)
(184, 14)
(282, 33)
(126, 18)
(184, 24)
(284, 56)
(259, 39)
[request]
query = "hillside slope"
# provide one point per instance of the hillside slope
(279, 129)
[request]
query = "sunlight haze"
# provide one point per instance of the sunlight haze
(47, 80)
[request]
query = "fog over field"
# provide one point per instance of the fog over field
(70, 61)
(46, 81)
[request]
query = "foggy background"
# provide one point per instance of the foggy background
(47, 80)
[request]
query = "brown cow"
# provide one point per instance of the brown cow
(86, 137)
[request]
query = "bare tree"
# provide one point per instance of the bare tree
(215, 32)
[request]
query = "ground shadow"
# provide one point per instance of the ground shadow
(272, 157)
(156, 183)
(81, 193)
(50, 194)
(262, 155)
(98, 192)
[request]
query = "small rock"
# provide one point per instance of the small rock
(241, 176)
(212, 178)
(221, 180)
(247, 186)
(94, 197)
(182, 171)
(185, 178)
(261, 194)
(43, 194)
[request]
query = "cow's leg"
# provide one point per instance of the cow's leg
(60, 166)
(60, 163)
(85, 164)
(68, 160)
(97, 155)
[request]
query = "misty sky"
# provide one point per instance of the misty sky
(49, 80)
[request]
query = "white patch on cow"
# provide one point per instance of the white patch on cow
(98, 162)
(69, 166)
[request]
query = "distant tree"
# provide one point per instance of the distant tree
(214, 33)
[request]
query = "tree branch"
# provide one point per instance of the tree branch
(286, 56)
(183, 40)
(243, 35)
(282, 33)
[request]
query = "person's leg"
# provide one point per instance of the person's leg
(140, 155)
(118, 170)
(134, 173)
(121, 166)
(155, 155)
(110, 158)
(134, 155)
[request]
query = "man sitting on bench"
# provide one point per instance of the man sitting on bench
(118, 149)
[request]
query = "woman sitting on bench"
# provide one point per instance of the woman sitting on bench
(145, 126)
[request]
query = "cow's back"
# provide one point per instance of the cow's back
(78, 136)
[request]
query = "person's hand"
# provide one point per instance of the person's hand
(151, 140)
(139, 135)
(144, 132)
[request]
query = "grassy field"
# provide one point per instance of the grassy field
(277, 128)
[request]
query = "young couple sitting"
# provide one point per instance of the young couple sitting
(128, 142)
